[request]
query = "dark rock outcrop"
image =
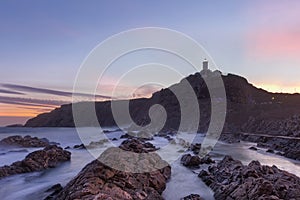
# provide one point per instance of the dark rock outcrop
(231, 180)
(97, 180)
(26, 141)
(39, 160)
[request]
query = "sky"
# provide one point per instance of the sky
(43, 44)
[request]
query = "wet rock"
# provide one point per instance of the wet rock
(126, 136)
(290, 146)
(293, 154)
(137, 146)
(55, 189)
(195, 148)
(79, 146)
(109, 176)
(194, 161)
(95, 144)
(230, 179)
(253, 148)
(207, 160)
(270, 151)
(26, 141)
(39, 160)
(232, 137)
(190, 161)
(192, 197)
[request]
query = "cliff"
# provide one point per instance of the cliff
(244, 104)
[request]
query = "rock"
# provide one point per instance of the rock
(232, 137)
(207, 160)
(192, 197)
(195, 148)
(293, 154)
(289, 146)
(270, 151)
(231, 180)
(137, 146)
(26, 141)
(96, 144)
(253, 148)
(39, 160)
(55, 189)
(79, 146)
(100, 181)
(114, 139)
(190, 161)
(126, 136)
(280, 153)
(194, 161)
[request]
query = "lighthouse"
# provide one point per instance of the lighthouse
(205, 65)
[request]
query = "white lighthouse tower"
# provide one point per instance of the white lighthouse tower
(205, 65)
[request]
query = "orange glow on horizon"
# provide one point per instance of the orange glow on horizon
(277, 88)
(15, 111)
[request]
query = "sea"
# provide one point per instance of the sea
(183, 181)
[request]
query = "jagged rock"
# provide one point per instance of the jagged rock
(192, 197)
(137, 146)
(231, 180)
(49, 157)
(194, 161)
(55, 189)
(26, 141)
(97, 180)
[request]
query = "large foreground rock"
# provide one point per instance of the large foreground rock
(49, 157)
(230, 179)
(100, 181)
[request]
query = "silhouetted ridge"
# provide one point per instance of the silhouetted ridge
(244, 102)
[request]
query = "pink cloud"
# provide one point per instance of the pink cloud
(274, 43)
(273, 29)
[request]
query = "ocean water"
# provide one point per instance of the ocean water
(182, 183)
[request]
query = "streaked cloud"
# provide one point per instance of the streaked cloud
(31, 101)
(24, 88)
(10, 92)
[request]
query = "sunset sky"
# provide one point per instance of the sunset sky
(43, 43)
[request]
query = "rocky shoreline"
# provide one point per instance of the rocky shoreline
(230, 179)
(133, 171)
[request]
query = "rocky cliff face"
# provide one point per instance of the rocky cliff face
(244, 102)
